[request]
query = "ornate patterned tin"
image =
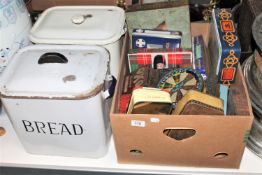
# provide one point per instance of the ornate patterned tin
(224, 46)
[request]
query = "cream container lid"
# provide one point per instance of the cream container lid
(55, 72)
(95, 25)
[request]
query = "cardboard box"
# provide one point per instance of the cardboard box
(213, 141)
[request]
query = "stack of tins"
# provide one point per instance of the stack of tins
(253, 74)
(252, 69)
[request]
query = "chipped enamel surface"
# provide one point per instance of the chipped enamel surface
(56, 103)
(81, 77)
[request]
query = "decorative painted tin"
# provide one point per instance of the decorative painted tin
(14, 28)
(149, 38)
(84, 25)
(53, 94)
(224, 46)
(170, 58)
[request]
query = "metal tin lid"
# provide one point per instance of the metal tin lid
(96, 25)
(55, 71)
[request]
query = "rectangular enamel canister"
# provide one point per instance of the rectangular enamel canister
(83, 25)
(54, 97)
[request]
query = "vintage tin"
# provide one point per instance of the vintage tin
(255, 139)
(53, 95)
(253, 79)
(84, 25)
(251, 69)
(14, 28)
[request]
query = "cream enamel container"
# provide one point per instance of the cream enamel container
(15, 25)
(53, 95)
(83, 25)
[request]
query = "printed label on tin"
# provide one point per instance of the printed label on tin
(138, 123)
(52, 128)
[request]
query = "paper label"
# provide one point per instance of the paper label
(138, 123)
(155, 120)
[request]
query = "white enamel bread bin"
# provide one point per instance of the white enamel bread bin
(54, 97)
(15, 25)
(83, 25)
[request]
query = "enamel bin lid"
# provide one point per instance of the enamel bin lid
(55, 72)
(95, 25)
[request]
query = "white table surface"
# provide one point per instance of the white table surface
(12, 154)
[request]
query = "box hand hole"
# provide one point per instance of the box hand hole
(221, 155)
(136, 152)
(52, 57)
(179, 134)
